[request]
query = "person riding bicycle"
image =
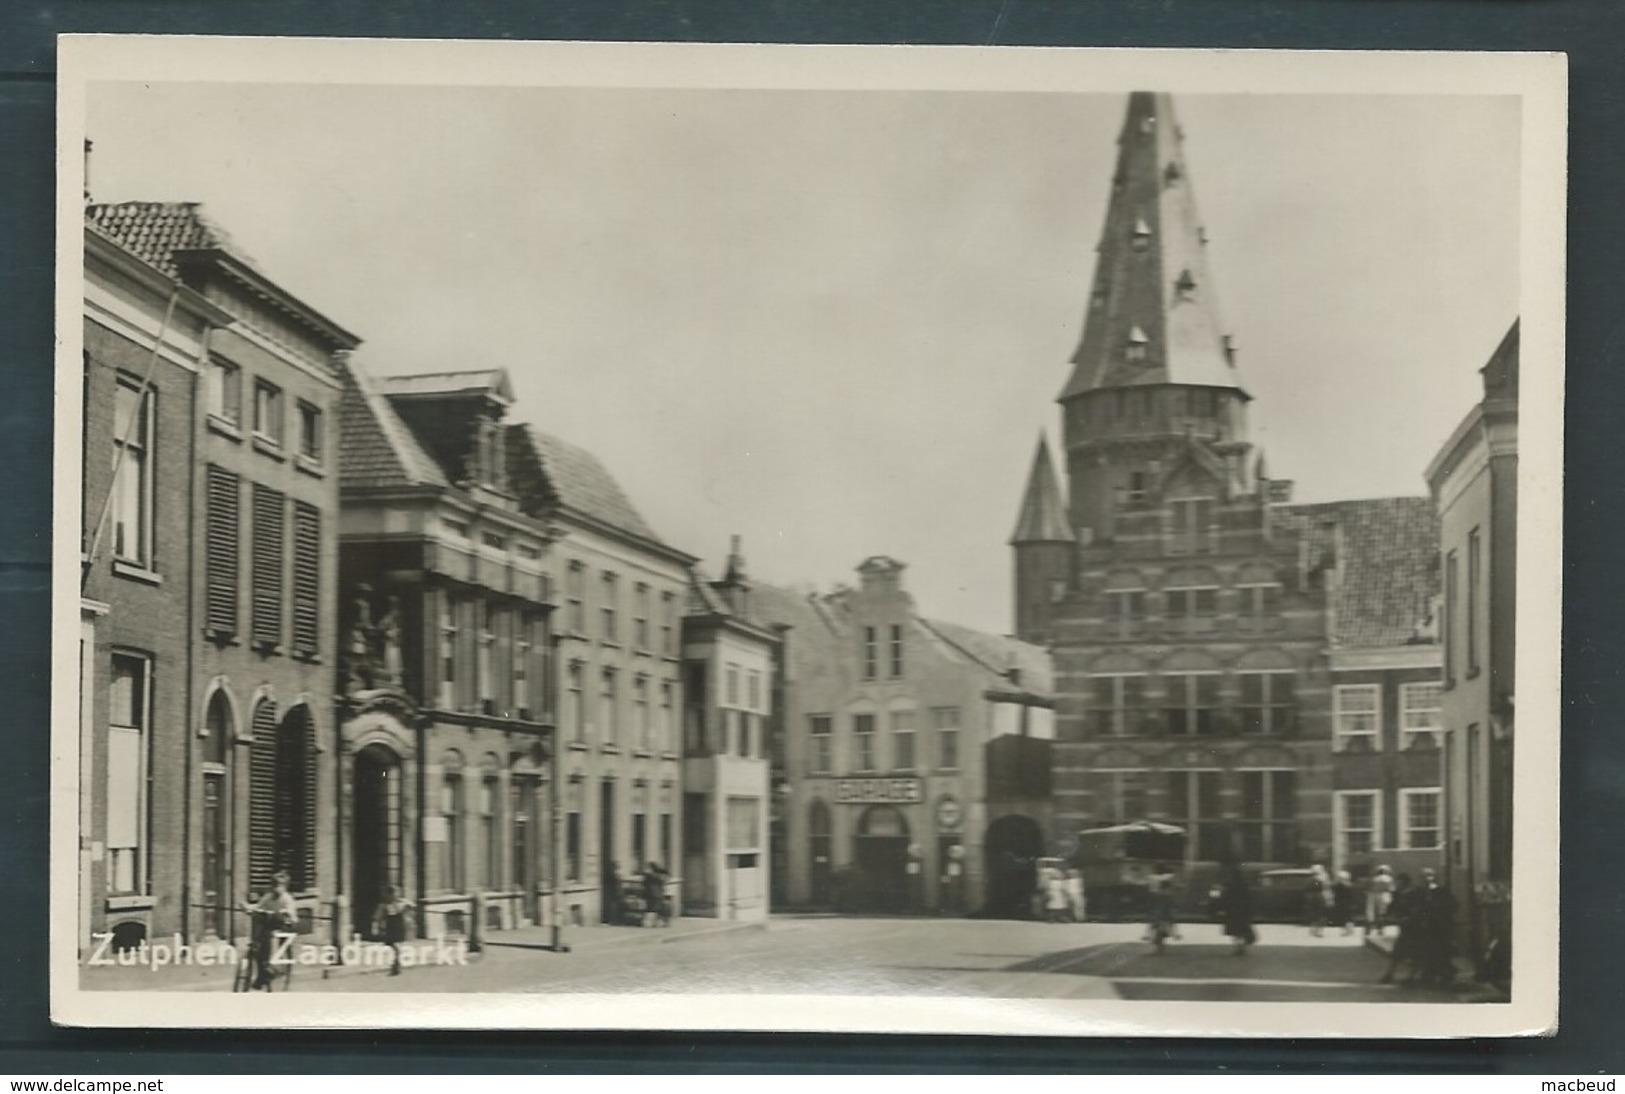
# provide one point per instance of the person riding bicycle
(274, 911)
(1160, 922)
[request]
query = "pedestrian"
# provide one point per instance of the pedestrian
(1318, 897)
(1402, 914)
(1236, 901)
(1161, 920)
(1343, 901)
(1055, 902)
(612, 895)
(1379, 895)
(1074, 895)
(1436, 916)
(655, 906)
(389, 924)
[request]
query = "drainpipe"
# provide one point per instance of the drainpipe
(188, 768)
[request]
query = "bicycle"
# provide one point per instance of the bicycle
(259, 970)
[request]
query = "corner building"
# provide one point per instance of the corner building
(218, 562)
(1188, 605)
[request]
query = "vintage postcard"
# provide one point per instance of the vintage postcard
(1029, 541)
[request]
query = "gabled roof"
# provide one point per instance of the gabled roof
(1043, 514)
(376, 449)
(1152, 288)
(548, 471)
(1387, 551)
(490, 382)
(1501, 371)
(995, 655)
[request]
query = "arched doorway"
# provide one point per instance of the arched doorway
(820, 848)
(1012, 849)
(377, 827)
(216, 893)
(880, 853)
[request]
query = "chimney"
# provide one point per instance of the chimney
(880, 574)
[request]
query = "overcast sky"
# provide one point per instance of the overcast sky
(835, 322)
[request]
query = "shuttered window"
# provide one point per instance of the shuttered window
(307, 577)
(266, 580)
(224, 496)
(262, 780)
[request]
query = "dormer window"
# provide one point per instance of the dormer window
(490, 463)
(1171, 175)
(1185, 286)
(1137, 340)
(1142, 234)
(1148, 125)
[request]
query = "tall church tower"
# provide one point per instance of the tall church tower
(1154, 385)
(1185, 607)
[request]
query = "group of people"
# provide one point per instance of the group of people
(1062, 895)
(1425, 915)
(641, 900)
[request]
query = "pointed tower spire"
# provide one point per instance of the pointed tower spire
(1152, 317)
(1043, 513)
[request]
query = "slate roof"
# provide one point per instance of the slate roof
(996, 654)
(376, 449)
(574, 478)
(1388, 560)
(154, 230)
(1152, 288)
(1043, 513)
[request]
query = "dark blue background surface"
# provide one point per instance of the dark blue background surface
(1593, 918)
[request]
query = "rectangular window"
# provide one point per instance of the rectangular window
(863, 735)
(576, 716)
(1125, 612)
(575, 587)
(1419, 828)
(1268, 703)
(1357, 717)
(611, 592)
(821, 737)
(268, 412)
(1191, 704)
(1359, 819)
(902, 740)
(732, 692)
(668, 624)
(1260, 605)
(1452, 605)
(133, 485)
(870, 653)
(268, 551)
(221, 548)
(484, 640)
(744, 823)
(1122, 796)
(1474, 576)
(1419, 720)
(607, 709)
(448, 651)
(1268, 831)
(311, 439)
(572, 846)
(226, 391)
(666, 707)
(896, 650)
(491, 833)
(451, 808)
(753, 690)
(1191, 520)
(1192, 610)
(129, 720)
(307, 579)
(945, 720)
(1117, 705)
(640, 705)
(521, 664)
(1193, 804)
(640, 618)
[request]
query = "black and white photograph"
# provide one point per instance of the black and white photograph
(1027, 541)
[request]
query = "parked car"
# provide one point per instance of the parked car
(1279, 896)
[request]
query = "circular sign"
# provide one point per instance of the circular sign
(949, 814)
